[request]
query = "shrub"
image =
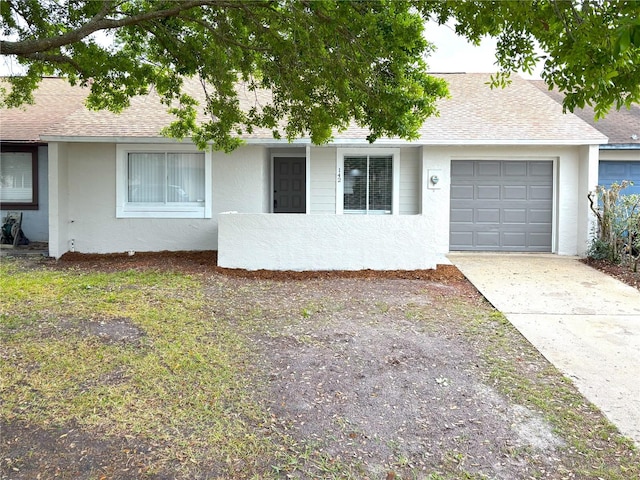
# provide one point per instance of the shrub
(617, 237)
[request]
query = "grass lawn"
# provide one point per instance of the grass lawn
(157, 373)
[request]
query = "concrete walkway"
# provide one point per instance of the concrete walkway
(583, 321)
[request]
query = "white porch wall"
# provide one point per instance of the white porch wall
(435, 201)
(326, 242)
(241, 183)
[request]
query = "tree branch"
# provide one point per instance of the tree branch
(211, 29)
(97, 22)
(55, 58)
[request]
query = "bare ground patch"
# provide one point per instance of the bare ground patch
(380, 375)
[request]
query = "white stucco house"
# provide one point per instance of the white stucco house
(498, 170)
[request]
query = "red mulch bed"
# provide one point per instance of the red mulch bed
(207, 262)
(624, 273)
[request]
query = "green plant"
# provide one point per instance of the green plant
(630, 206)
(617, 237)
(602, 250)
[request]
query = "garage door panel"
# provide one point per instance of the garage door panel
(487, 215)
(515, 192)
(488, 239)
(488, 169)
(462, 192)
(614, 169)
(485, 192)
(462, 168)
(541, 169)
(462, 215)
(461, 239)
(514, 239)
(515, 215)
(540, 192)
(540, 239)
(541, 216)
(515, 169)
(511, 207)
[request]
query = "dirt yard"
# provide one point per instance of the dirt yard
(387, 375)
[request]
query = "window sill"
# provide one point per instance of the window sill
(18, 206)
(174, 212)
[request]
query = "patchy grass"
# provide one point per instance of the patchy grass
(594, 447)
(179, 385)
(150, 373)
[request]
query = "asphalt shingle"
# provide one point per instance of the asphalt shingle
(621, 126)
(475, 114)
(55, 100)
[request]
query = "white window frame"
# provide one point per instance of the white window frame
(370, 152)
(126, 210)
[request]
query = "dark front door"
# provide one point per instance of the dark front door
(289, 185)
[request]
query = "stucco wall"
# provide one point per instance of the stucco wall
(85, 195)
(58, 200)
(241, 180)
(435, 199)
(577, 174)
(326, 242)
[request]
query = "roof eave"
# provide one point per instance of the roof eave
(620, 146)
(341, 141)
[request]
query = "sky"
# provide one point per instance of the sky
(455, 54)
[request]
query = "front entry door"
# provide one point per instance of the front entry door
(289, 185)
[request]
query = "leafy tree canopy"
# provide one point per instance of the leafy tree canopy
(591, 47)
(325, 62)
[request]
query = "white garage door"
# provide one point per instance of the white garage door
(501, 205)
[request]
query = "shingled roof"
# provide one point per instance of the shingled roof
(475, 114)
(621, 126)
(55, 100)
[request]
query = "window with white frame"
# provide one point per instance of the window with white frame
(163, 182)
(368, 184)
(368, 180)
(19, 177)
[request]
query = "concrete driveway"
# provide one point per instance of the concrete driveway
(584, 322)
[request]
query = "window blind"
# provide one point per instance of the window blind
(368, 184)
(16, 177)
(166, 177)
